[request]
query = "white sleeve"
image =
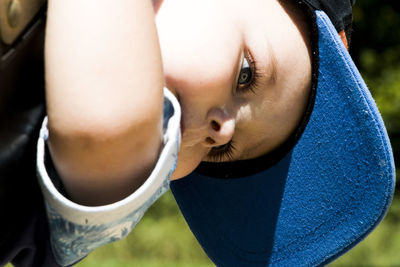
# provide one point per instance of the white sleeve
(77, 230)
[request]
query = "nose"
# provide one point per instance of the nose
(221, 127)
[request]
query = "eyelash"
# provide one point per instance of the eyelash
(226, 152)
(221, 153)
(253, 85)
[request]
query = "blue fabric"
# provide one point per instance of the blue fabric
(321, 199)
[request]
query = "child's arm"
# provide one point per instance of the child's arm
(104, 96)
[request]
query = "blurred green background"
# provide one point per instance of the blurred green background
(162, 238)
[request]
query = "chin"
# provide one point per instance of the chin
(184, 168)
(188, 160)
(178, 174)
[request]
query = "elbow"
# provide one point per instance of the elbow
(101, 161)
(101, 146)
(104, 125)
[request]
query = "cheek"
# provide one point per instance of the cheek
(188, 160)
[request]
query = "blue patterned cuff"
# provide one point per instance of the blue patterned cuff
(76, 230)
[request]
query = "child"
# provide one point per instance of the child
(283, 156)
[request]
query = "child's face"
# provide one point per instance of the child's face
(241, 71)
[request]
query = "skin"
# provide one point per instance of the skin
(101, 120)
(202, 58)
(104, 98)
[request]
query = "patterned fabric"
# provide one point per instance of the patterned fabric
(77, 230)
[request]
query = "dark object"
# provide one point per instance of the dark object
(23, 228)
(339, 12)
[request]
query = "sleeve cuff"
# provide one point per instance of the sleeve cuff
(76, 230)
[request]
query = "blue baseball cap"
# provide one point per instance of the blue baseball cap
(316, 196)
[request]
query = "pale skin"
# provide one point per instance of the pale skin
(105, 79)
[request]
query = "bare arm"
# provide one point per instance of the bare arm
(104, 96)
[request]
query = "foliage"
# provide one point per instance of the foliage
(375, 47)
(163, 238)
(380, 248)
(166, 241)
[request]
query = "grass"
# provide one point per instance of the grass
(140, 262)
(381, 247)
(162, 239)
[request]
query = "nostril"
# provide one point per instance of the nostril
(215, 126)
(210, 141)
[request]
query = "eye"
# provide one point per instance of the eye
(246, 73)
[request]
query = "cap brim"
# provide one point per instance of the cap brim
(321, 199)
